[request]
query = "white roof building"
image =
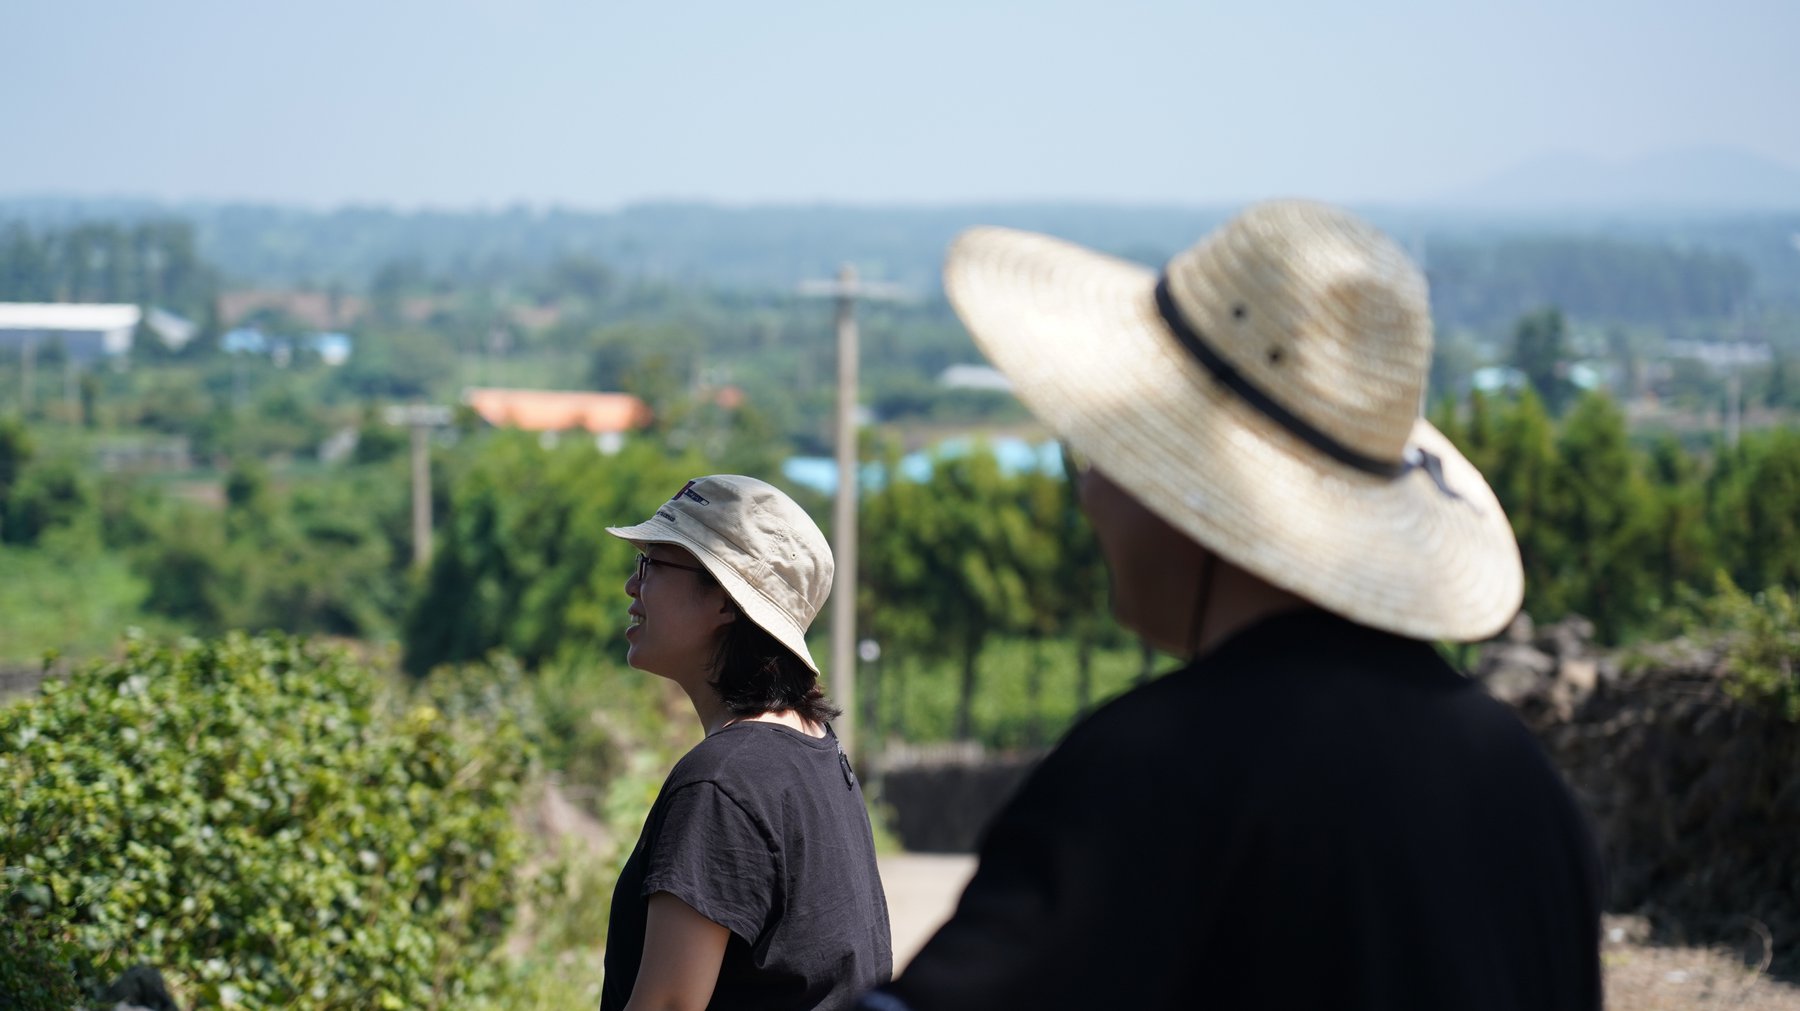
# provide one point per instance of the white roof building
(83, 330)
(174, 331)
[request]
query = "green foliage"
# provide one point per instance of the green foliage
(1604, 513)
(323, 556)
(15, 453)
(400, 362)
(1620, 533)
(257, 818)
(1763, 636)
(46, 495)
(523, 561)
(64, 597)
(1032, 691)
(1541, 351)
(152, 262)
(595, 714)
(1487, 283)
(971, 553)
(37, 965)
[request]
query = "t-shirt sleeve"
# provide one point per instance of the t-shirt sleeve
(711, 854)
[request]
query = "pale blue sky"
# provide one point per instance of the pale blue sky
(473, 103)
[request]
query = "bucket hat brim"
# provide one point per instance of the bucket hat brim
(751, 601)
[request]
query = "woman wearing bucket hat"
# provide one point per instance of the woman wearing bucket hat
(1316, 811)
(753, 884)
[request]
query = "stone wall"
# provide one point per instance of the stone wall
(1694, 794)
(939, 798)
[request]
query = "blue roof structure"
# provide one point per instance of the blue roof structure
(1014, 456)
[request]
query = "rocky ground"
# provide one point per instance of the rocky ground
(1647, 977)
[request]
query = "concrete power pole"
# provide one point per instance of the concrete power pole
(846, 289)
(27, 358)
(421, 418)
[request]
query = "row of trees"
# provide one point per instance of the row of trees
(1492, 283)
(149, 263)
(1620, 530)
(1616, 530)
(325, 554)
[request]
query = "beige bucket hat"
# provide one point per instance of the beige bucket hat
(1262, 394)
(764, 549)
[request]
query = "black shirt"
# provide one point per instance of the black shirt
(762, 829)
(1316, 815)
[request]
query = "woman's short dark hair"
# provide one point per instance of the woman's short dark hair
(754, 674)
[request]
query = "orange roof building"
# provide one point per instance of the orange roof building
(559, 410)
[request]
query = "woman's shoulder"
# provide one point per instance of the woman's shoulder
(747, 755)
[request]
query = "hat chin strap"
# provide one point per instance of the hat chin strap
(1202, 603)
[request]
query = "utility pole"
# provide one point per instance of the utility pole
(27, 358)
(846, 289)
(71, 388)
(1734, 406)
(421, 418)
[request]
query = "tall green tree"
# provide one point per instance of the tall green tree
(1772, 507)
(1540, 350)
(894, 587)
(1523, 469)
(1683, 551)
(1605, 516)
(522, 559)
(985, 591)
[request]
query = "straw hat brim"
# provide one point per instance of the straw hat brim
(1079, 335)
(752, 603)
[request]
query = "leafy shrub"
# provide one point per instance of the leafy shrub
(36, 966)
(1763, 635)
(261, 820)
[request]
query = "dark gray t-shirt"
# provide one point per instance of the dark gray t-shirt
(763, 830)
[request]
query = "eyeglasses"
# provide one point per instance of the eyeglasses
(645, 561)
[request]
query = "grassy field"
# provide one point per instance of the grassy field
(74, 603)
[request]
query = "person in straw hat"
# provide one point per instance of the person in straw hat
(753, 883)
(1316, 811)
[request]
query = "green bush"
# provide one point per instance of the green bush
(264, 822)
(1762, 632)
(36, 966)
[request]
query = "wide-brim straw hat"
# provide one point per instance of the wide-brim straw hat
(1262, 394)
(762, 547)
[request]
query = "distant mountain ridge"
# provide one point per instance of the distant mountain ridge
(1699, 179)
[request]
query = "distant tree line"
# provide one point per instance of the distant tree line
(1691, 264)
(1588, 278)
(153, 263)
(1619, 532)
(1622, 532)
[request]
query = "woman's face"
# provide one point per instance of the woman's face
(677, 616)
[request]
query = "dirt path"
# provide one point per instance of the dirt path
(922, 889)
